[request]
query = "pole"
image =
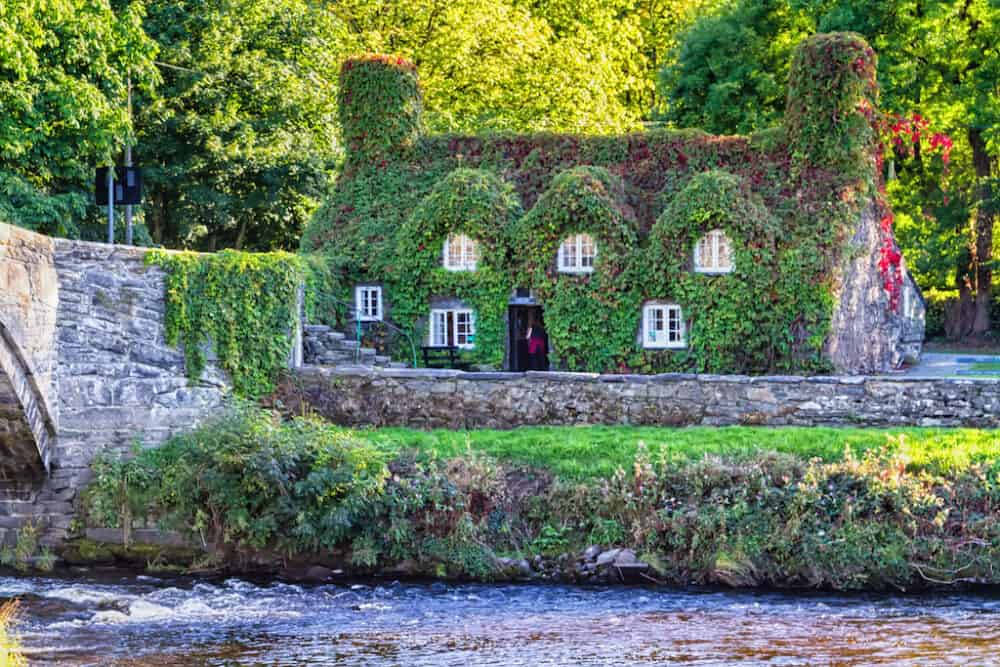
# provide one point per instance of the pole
(128, 163)
(111, 204)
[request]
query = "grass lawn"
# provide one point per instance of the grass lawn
(957, 347)
(586, 452)
(986, 366)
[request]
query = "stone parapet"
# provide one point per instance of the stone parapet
(454, 399)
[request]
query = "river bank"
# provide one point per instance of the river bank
(850, 509)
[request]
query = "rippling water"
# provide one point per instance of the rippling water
(143, 621)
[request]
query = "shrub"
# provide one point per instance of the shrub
(248, 480)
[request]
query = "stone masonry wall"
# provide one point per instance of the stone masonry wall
(114, 380)
(118, 381)
(454, 399)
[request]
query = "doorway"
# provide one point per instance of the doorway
(519, 319)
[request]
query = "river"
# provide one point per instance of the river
(138, 621)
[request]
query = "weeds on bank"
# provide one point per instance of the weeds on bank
(917, 508)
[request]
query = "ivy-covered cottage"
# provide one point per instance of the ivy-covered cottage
(655, 251)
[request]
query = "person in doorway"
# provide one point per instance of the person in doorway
(537, 352)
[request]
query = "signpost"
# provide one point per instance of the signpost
(117, 187)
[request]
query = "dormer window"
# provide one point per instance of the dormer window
(577, 254)
(713, 253)
(460, 253)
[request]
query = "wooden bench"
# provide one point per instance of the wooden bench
(443, 357)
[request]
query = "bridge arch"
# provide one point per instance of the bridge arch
(27, 429)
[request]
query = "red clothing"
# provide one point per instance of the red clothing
(535, 344)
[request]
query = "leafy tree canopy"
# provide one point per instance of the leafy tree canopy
(938, 60)
(63, 87)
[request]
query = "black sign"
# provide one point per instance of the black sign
(128, 186)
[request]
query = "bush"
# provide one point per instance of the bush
(915, 509)
(246, 480)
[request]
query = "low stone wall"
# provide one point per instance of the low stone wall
(452, 399)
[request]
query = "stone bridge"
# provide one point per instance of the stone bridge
(83, 366)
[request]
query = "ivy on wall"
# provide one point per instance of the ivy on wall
(588, 316)
(480, 205)
(380, 105)
(243, 304)
(788, 198)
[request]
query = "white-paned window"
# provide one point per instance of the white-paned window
(460, 253)
(713, 253)
(453, 328)
(662, 326)
(368, 302)
(577, 254)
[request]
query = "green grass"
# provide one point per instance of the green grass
(986, 366)
(586, 452)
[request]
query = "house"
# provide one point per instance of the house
(649, 252)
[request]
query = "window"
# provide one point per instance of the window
(368, 302)
(713, 253)
(453, 328)
(662, 326)
(577, 254)
(460, 253)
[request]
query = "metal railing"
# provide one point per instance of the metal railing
(351, 307)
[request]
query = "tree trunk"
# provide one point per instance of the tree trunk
(982, 273)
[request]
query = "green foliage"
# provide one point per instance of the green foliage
(550, 541)
(239, 137)
(711, 84)
(25, 553)
(242, 303)
(832, 99)
(645, 198)
(249, 481)
(590, 318)
(844, 509)
(63, 67)
(738, 319)
(380, 105)
(475, 203)
(935, 60)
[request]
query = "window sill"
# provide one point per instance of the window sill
(713, 272)
(459, 269)
(584, 271)
(666, 346)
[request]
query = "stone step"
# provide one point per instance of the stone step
(397, 364)
(368, 351)
(315, 329)
(382, 360)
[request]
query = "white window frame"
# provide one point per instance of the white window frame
(573, 262)
(361, 307)
(468, 253)
(668, 312)
(435, 333)
(715, 237)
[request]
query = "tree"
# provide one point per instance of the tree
(937, 59)
(240, 136)
(730, 69)
(64, 66)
